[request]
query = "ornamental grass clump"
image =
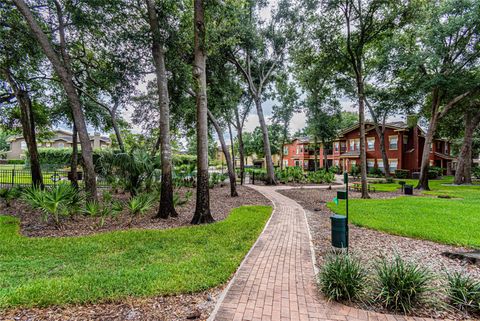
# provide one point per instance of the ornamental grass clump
(342, 278)
(464, 292)
(402, 285)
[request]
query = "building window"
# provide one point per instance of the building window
(336, 146)
(298, 150)
(446, 149)
(285, 150)
(23, 145)
(392, 164)
(371, 143)
(61, 145)
(380, 165)
(297, 163)
(354, 144)
(393, 142)
(285, 163)
(370, 163)
(405, 139)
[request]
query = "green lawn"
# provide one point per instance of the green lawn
(108, 266)
(452, 221)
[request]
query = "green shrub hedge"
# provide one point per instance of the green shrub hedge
(16, 161)
(402, 173)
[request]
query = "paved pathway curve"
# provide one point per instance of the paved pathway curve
(276, 281)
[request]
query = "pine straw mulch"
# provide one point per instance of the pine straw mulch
(221, 204)
(369, 246)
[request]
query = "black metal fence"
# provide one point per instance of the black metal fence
(23, 177)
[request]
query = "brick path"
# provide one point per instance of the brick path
(276, 280)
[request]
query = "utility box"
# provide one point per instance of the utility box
(339, 231)
(408, 190)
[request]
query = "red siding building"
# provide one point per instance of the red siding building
(404, 147)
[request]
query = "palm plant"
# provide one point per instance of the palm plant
(138, 205)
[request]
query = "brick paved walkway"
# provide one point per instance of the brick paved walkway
(276, 280)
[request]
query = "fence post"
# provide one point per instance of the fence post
(13, 176)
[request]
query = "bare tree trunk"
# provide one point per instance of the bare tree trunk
(381, 137)
(270, 180)
(315, 153)
(432, 126)
(166, 208)
(284, 140)
(463, 175)
(241, 149)
(63, 69)
(118, 134)
(28, 128)
(202, 206)
(361, 120)
(230, 168)
(325, 156)
(231, 146)
(74, 159)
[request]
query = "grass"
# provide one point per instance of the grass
(110, 266)
(453, 221)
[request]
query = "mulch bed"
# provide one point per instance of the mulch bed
(370, 246)
(220, 204)
(196, 306)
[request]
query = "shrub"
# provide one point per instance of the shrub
(335, 169)
(16, 161)
(401, 285)
(184, 175)
(464, 292)
(375, 171)
(434, 172)
(215, 179)
(402, 173)
(9, 194)
(178, 201)
(342, 278)
(94, 209)
(290, 174)
(59, 201)
(139, 205)
(389, 180)
(355, 170)
(476, 171)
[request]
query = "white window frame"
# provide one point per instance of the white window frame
(369, 139)
(285, 150)
(380, 165)
(23, 145)
(392, 169)
(390, 142)
(372, 162)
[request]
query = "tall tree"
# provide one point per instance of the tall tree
(258, 55)
(283, 113)
(202, 206)
(166, 197)
(62, 66)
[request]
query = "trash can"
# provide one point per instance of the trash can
(339, 231)
(408, 190)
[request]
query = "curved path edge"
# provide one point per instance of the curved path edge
(276, 279)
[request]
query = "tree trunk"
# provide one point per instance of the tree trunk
(28, 128)
(315, 153)
(463, 175)
(381, 137)
(232, 147)
(432, 126)
(230, 168)
(266, 144)
(74, 159)
(241, 149)
(202, 206)
(63, 70)
(361, 121)
(118, 134)
(166, 208)
(325, 156)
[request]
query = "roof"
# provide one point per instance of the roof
(350, 154)
(398, 125)
(444, 156)
(302, 139)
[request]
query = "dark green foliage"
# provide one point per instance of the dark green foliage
(290, 175)
(464, 292)
(434, 172)
(476, 172)
(56, 202)
(9, 194)
(402, 173)
(355, 171)
(184, 175)
(342, 278)
(182, 159)
(16, 161)
(375, 172)
(216, 178)
(321, 177)
(401, 285)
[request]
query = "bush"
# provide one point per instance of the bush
(9, 194)
(434, 172)
(375, 171)
(355, 171)
(140, 204)
(335, 169)
(56, 202)
(321, 177)
(401, 285)
(342, 278)
(402, 173)
(464, 292)
(16, 161)
(182, 159)
(476, 171)
(291, 174)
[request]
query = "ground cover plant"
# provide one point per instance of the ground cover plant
(109, 266)
(454, 220)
